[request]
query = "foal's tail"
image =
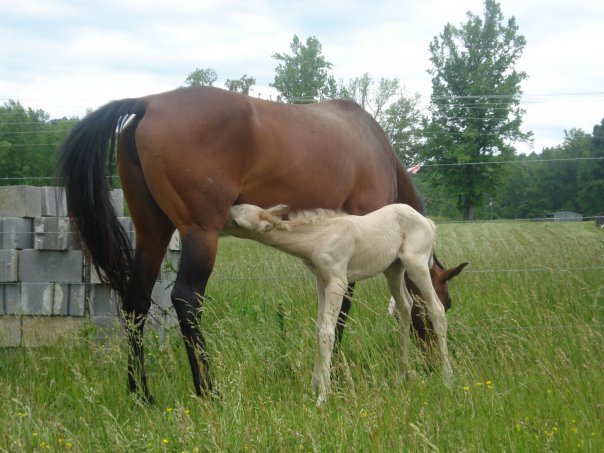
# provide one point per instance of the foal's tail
(85, 161)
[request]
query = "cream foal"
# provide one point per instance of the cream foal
(340, 249)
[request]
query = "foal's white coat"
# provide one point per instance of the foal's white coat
(340, 249)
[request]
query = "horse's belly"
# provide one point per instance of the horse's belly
(369, 264)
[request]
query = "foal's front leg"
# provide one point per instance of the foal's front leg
(316, 374)
(329, 307)
(420, 276)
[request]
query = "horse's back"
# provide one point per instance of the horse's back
(206, 147)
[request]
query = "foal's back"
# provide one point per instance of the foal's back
(368, 245)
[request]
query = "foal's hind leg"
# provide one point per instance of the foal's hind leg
(419, 274)
(396, 283)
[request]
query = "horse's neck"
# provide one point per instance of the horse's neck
(299, 240)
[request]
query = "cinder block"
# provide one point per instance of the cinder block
(175, 242)
(16, 233)
(51, 266)
(10, 298)
(36, 298)
(56, 233)
(129, 228)
(169, 267)
(109, 326)
(69, 299)
(20, 201)
(103, 301)
(53, 202)
(161, 295)
(10, 331)
(9, 265)
(161, 324)
(94, 276)
(46, 331)
(117, 200)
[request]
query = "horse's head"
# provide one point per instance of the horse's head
(246, 218)
(440, 276)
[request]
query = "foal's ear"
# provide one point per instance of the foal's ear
(455, 271)
(278, 210)
(266, 226)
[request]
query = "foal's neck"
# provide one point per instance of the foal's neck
(299, 239)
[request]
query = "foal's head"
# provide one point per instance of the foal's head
(440, 277)
(249, 218)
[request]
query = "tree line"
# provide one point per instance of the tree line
(465, 142)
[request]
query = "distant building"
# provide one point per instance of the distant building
(567, 216)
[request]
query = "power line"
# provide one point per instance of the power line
(524, 161)
(427, 165)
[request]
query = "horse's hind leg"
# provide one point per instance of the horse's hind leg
(148, 257)
(153, 233)
(199, 248)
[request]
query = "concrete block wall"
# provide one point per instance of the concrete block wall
(48, 287)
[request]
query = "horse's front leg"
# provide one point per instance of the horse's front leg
(196, 264)
(326, 332)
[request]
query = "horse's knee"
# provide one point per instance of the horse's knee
(326, 336)
(187, 306)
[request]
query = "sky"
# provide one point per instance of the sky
(66, 56)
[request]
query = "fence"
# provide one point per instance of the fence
(48, 287)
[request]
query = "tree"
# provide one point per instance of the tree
(201, 77)
(553, 180)
(591, 174)
(476, 92)
(397, 113)
(303, 77)
(28, 140)
(241, 85)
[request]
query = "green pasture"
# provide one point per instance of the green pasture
(526, 335)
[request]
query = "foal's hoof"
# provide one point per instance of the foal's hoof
(404, 377)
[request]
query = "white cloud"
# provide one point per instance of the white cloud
(65, 55)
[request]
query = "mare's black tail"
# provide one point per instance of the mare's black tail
(85, 161)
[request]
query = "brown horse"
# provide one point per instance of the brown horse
(186, 156)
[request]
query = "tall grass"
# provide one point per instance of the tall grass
(526, 338)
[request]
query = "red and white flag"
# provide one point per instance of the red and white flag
(413, 170)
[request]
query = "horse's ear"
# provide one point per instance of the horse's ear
(455, 271)
(266, 226)
(279, 210)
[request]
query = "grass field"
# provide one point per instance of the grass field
(526, 338)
